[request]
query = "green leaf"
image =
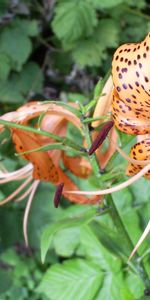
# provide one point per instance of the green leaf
(92, 51)
(5, 66)
(28, 27)
(74, 280)
(101, 4)
(88, 52)
(17, 52)
(73, 20)
(114, 288)
(96, 252)
(5, 280)
(107, 33)
(30, 79)
(65, 141)
(4, 4)
(99, 86)
(135, 284)
(109, 239)
(51, 230)
(17, 87)
(123, 201)
(66, 241)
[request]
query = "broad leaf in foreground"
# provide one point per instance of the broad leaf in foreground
(74, 280)
(51, 230)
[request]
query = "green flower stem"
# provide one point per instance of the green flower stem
(126, 239)
(93, 159)
(115, 215)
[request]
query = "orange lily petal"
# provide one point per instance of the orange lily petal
(129, 120)
(44, 168)
(69, 184)
(131, 75)
(140, 151)
(103, 105)
(28, 112)
(79, 166)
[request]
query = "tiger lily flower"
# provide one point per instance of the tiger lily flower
(127, 96)
(43, 165)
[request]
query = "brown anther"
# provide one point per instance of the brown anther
(58, 194)
(101, 137)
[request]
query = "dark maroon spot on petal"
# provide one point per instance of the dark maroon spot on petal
(124, 70)
(140, 151)
(121, 59)
(117, 69)
(135, 62)
(117, 57)
(137, 74)
(134, 50)
(144, 55)
(124, 86)
(136, 83)
(144, 43)
(147, 48)
(120, 75)
(128, 100)
(129, 63)
(130, 86)
(146, 79)
(134, 96)
(118, 88)
(126, 59)
(58, 194)
(138, 56)
(140, 65)
(120, 51)
(138, 47)
(101, 137)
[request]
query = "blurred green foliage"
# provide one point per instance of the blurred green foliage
(51, 49)
(50, 46)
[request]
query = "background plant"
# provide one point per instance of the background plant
(59, 49)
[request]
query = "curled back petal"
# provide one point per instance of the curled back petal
(131, 73)
(43, 166)
(79, 166)
(103, 105)
(140, 151)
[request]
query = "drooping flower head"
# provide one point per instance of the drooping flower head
(44, 165)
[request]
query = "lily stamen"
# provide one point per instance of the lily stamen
(26, 193)
(17, 191)
(115, 188)
(27, 210)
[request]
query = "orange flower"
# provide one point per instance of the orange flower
(131, 101)
(44, 165)
(127, 96)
